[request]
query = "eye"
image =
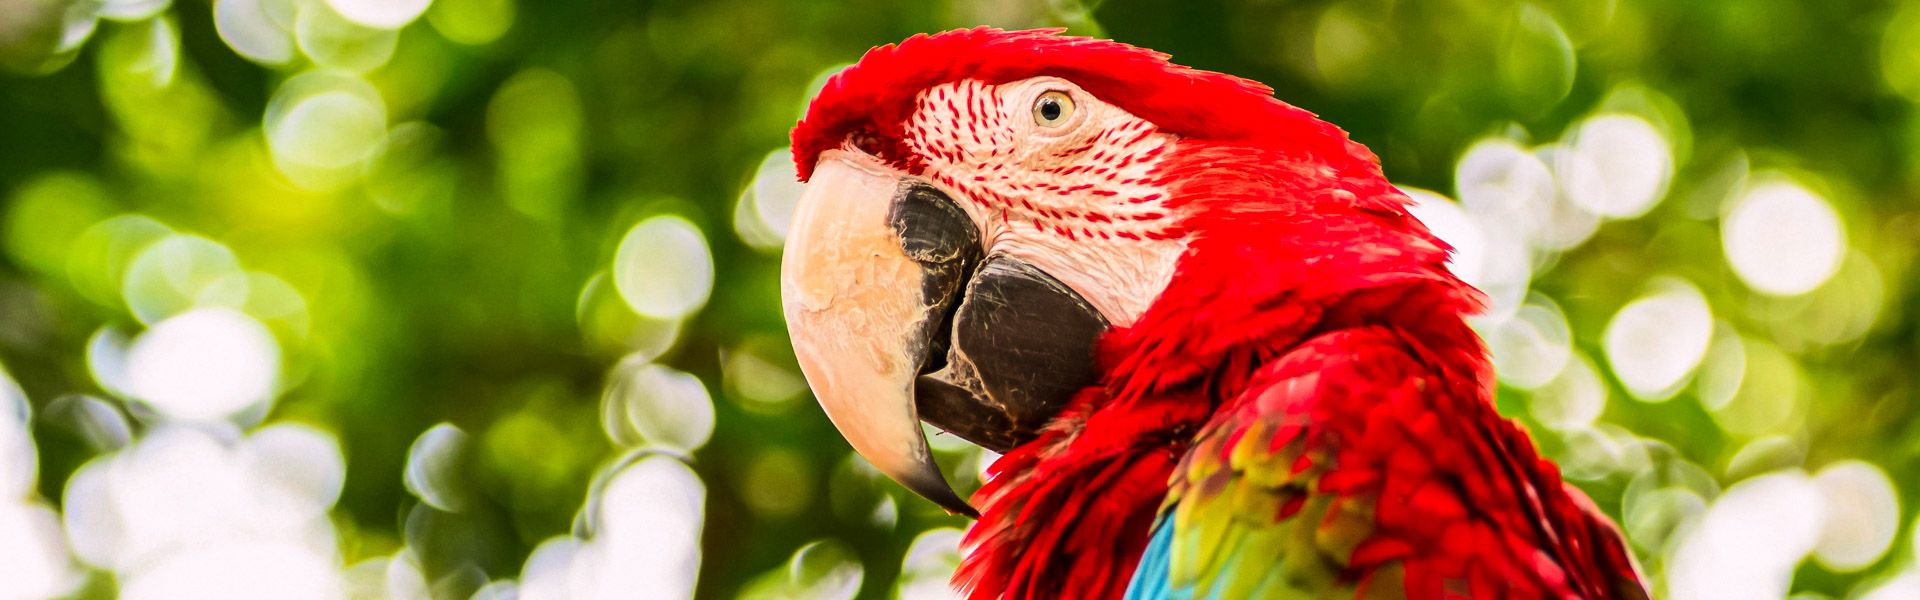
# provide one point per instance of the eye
(1052, 109)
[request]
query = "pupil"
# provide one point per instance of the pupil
(1049, 109)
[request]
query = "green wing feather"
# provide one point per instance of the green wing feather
(1351, 468)
(1248, 512)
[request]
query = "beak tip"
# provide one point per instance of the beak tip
(930, 484)
(954, 505)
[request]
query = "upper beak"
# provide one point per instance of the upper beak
(863, 312)
(896, 316)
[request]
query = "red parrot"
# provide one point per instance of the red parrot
(1220, 357)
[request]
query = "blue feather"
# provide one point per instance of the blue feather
(1152, 580)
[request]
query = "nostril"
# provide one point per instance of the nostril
(867, 142)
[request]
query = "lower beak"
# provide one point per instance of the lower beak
(864, 303)
(896, 316)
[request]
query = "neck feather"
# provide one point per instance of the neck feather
(1067, 515)
(1281, 254)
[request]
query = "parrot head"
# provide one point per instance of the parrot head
(994, 221)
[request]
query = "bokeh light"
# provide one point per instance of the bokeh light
(608, 323)
(1900, 51)
(181, 272)
(928, 563)
(1616, 166)
(1573, 398)
(434, 467)
(663, 268)
(765, 209)
(101, 424)
(332, 39)
(1487, 252)
(99, 258)
(823, 569)
(776, 483)
(760, 379)
(324, 125)
(19, 458)
(210, 363)
(1863, 513)
(1782, 239)
(472, 22)
(1772, 394)
(1498, 177)
(650, 404)
(33, 549)
(132, 10)
(1655, 342)
(382, 14)
(1747, 543)
(47, 215)
(646, 541)
(536, 124)
(173, 512)
(257, 29)
(1906, 585)
(1452, 225)
(1533, 347)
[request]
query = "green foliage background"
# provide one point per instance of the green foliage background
(451, 275)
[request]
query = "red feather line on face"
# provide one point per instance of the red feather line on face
(1072, 192)
(869, 102)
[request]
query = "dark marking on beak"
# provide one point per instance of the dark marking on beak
(942, 240)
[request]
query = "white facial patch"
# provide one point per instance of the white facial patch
(1076, 196)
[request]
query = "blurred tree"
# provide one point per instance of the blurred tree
(304, 233)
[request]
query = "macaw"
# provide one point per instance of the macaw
(1221, 359)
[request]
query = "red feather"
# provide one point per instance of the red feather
(1308, 299)
(1066, 516)
(871, 100)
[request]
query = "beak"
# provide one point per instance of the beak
(863, 304)
(896, 316)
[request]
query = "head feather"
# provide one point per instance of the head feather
(875, 96)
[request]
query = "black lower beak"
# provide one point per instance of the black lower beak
(1021, 347)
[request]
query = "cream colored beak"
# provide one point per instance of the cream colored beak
(860, 320)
